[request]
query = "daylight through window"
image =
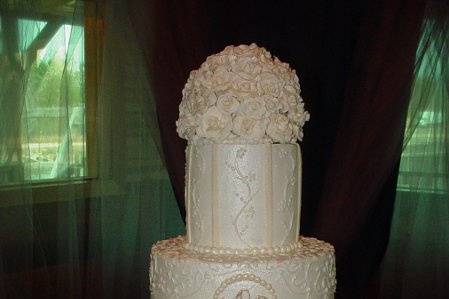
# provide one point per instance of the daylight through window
(43, 129)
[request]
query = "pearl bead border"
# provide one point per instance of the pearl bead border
(247, 252)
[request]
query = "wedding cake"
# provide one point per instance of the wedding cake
(242, 115)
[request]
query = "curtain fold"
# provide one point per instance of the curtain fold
(39, 112)
(369, 139)
(84, 191)
(144, 210)
(175, 40)
(417, 260)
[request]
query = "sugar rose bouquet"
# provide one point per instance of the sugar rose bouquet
(242, 95)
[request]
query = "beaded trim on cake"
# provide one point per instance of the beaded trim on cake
(245, 277)
(237, 251)
(176, 247)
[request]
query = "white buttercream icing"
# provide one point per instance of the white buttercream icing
(306, 272)
(242, 95)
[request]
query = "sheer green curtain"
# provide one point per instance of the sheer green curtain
(41, 138)
(143, 209)
(417, 260)
(83, 189)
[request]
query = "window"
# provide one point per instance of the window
(422, 168)
(53, 125)
(48, 72)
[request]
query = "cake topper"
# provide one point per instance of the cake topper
(242, 95)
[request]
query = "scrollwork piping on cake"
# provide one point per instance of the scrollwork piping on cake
(291, 279)
(196, 214)
(247, 209)
(169, 281)
(298, 278)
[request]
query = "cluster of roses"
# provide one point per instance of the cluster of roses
(242, 95)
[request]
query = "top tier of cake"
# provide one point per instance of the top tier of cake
(243, 198)
(242, 114)
(242, 95)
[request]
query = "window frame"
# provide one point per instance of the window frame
(53, 190)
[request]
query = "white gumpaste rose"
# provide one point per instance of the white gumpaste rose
(243, 85)
(294, 114)
(183, 109)
(245, 50)
(228, 103)
(222, 78)
(284, 105)
(300, 135)
(247, 68)
(250, 128)
(214, 125)
(186, 126)
(280, 129)
(211, 99)
(298, 115)
(254, 108)
(304, 117)
(291, 89)
(197, 104)
(269, 84)
(272, 104)
(297, 133)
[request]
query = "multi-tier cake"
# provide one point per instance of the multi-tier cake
(242, 115)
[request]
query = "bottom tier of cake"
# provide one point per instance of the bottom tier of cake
(307, 272)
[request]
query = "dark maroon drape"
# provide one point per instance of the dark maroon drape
(174, 37)
(369, 139)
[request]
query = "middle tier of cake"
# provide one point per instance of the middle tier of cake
(243, 198)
